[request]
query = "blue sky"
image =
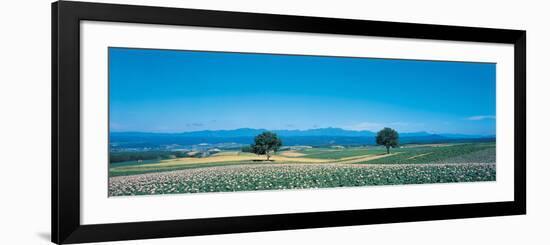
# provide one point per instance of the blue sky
(177, 91)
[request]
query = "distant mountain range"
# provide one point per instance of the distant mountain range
(314, 137)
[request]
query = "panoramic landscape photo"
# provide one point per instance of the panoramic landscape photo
(201, 121)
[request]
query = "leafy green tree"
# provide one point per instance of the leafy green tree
(387, 137)
(266, 143)
(246, 148)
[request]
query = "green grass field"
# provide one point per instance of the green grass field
(329, 153)
(460, 153)
(308, 168)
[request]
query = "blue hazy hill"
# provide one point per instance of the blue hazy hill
(313, 137)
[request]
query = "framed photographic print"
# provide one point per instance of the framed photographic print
(176, 122)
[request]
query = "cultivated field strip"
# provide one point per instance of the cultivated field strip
(296, 176)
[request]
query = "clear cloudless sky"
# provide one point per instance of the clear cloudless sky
(178, 91)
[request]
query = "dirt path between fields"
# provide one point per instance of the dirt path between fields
(365, 158)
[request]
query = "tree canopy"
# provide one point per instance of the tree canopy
(266, 143)
(387, 137)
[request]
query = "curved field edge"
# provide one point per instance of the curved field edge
(296, 176)
(418, 154)
(166, 166)
(463, 153)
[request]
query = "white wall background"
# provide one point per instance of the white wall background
(25, 123)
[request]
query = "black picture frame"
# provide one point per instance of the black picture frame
(65, 223)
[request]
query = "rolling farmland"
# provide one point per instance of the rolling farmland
(229, 171)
